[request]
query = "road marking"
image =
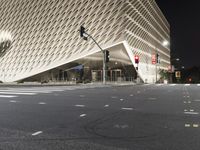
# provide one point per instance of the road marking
(187, 85)
(26, 91)
(80, 105)
(8, 96)
(106, 106)
(191, 110)
(198, 84)
(197, 100)
(42, 103)
(121, 126)
(195, 125)
(114, 97)
(37, 133)
(152, 98)
(131, 95)
(127, 108)
(18, 93)
(188, 96)
(82, 95)
(172, 85)
(191, 113)
(187, 125)
(185, 110)
(121, 99)
(138, 92)
(13, 101)
(82, 115)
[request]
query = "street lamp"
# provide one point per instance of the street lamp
(165, 43)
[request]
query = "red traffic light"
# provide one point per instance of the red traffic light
(136, 59)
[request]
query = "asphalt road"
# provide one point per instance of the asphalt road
(136, 117)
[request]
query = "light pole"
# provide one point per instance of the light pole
(165, 43)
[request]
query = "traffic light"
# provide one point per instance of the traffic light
(136, 59)
(107, 57)
(157, 58)
(82, 33)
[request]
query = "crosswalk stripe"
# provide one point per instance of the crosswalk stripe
(17, 93)
(8, 96)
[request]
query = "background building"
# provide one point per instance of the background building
(46, 45)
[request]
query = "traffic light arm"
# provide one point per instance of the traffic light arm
(88, 35)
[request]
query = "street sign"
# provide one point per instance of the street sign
(153, 59)
(178, 74)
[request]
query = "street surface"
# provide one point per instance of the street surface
(134, 117)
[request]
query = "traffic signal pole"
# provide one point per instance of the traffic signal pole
(85, 36)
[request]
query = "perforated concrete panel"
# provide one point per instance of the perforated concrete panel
(45, 33)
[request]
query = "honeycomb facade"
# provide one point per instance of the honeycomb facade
(45, 34)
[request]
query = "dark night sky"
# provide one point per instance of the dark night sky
(184, 19)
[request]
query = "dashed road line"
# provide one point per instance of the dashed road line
(13, 101)
(187, 85)
(82, 115)
(8, 96)
(42, 103)
(37, 133)
(80, 105)
(106, 105)
(152, 98)
(18, 93)
(187, 125)
(127, 108)
(191, 113)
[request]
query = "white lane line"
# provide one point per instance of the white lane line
(13, 101)
(37, 133)
(82, 115)
(131, 95)
(191, 113)
(191, 110)
(42, 103)
(187, 125)
(195, 125)
(138, 92)
(172, 85)
(127, 108)
(18, 93)
(25, 91)
(8, 96)
(80, 105)
(114, 97)
(121, 99)
(82, 95)
(106, 106)
(198, 84)
(152, 98)
(187, 85)
(185, 110)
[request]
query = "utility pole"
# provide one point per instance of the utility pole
(85, 36)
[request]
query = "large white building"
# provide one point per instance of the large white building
(46, 44)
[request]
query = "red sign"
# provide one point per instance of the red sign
(153, 59)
